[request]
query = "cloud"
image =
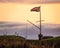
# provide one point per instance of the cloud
(32, 1)
(10, 25)
(51, 29)
(11, 28)
(3, 22)
(30, 31)
(47, 30)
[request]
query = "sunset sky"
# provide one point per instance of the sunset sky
(16, 12)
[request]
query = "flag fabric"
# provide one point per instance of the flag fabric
(37, 9)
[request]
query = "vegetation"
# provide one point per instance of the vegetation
(20, 42)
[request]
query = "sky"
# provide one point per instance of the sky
(15, 13)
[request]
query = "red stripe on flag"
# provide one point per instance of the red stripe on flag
(37, 9)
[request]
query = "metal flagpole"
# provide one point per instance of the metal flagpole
(40, 19)
(40, 35)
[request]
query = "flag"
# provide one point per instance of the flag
(37, 9)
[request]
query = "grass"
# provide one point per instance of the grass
(18, 40)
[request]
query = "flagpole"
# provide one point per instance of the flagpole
(40, 35)
(40, 19)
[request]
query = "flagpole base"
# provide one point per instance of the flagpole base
(40, 36)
